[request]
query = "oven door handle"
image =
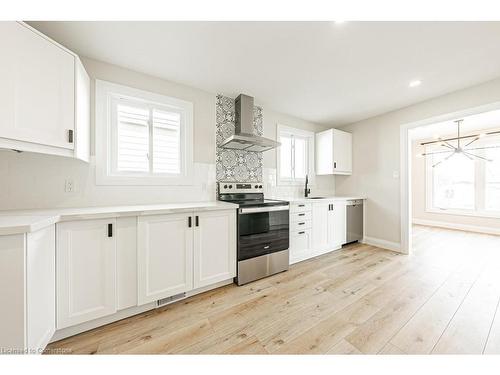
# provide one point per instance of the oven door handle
(252, 210)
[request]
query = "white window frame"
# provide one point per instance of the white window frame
(287, 130)
(106, 94)
(479, 190)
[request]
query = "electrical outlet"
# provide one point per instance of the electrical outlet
(69, 186)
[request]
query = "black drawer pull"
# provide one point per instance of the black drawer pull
(302, 214)
(301, 223)
(302, 205)
(302, 232)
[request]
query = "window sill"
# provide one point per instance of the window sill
(480, 214)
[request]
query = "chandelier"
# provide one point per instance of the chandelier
(464, 146)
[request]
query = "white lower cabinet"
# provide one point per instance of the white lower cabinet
(180, 252)
(320, 225)
(337, 224)
(323, 228)
(214, 247)
(27, 291)
(86, 271)
(164, 256)
(300, 245)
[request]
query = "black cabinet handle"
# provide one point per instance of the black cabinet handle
(70, 136)
(197, 221)
(302, 214)
(301, 223)
(334, 164)
(110, 230)
(302, 205)
(190, 222)
(302, 232)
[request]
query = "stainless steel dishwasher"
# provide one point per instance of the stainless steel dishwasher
(354, 225)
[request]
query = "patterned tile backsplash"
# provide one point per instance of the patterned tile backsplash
(236, 165)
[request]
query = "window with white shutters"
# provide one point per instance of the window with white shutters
(148, 137)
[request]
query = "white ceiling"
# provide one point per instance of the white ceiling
(319, 71)
(474, 124)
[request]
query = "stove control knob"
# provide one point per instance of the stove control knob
(256, 186)
(225, 186)
(230, 186)
(260, 186)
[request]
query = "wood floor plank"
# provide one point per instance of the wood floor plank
(421, 333)
(343, 347)
(468, 330)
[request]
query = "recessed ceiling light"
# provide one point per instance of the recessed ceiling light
(415, 83)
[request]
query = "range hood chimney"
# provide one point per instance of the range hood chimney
(244, 138)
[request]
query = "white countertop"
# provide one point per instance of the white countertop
(25, 221)
(327, 198)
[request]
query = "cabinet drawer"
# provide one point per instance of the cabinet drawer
(300, 207)
(300, 216)
(300, 225)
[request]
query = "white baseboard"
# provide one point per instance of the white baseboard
(384, 244)
(457, 226)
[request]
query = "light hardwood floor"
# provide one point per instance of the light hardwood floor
(443, 298)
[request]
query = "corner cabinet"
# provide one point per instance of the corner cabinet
(45, 95)
(181, 252)
(333, 152)
(27, 291)
(86, 271)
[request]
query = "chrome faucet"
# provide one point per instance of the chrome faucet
(307, 190)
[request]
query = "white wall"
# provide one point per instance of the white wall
(37, 181)
(419, 213)
(376, 155)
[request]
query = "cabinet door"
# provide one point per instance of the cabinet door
(320, 215)
(300, 245)
(86, 276)
(324, 152)
(342, 152)
(37, 90)
(164, 256)
(214, 247)
(337, 224)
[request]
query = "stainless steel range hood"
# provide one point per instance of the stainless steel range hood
(244, 138)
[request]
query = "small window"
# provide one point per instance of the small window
(295, 155)
(142, 138)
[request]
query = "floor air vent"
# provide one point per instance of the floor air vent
(166, 301)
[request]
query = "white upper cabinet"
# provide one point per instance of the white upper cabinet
(164, 256)
(214, 247)
(86, 271)
(44, 94)
(333, 152)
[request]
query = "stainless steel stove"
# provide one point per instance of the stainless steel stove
(263, 230)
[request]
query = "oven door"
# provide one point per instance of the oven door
(262, 230)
